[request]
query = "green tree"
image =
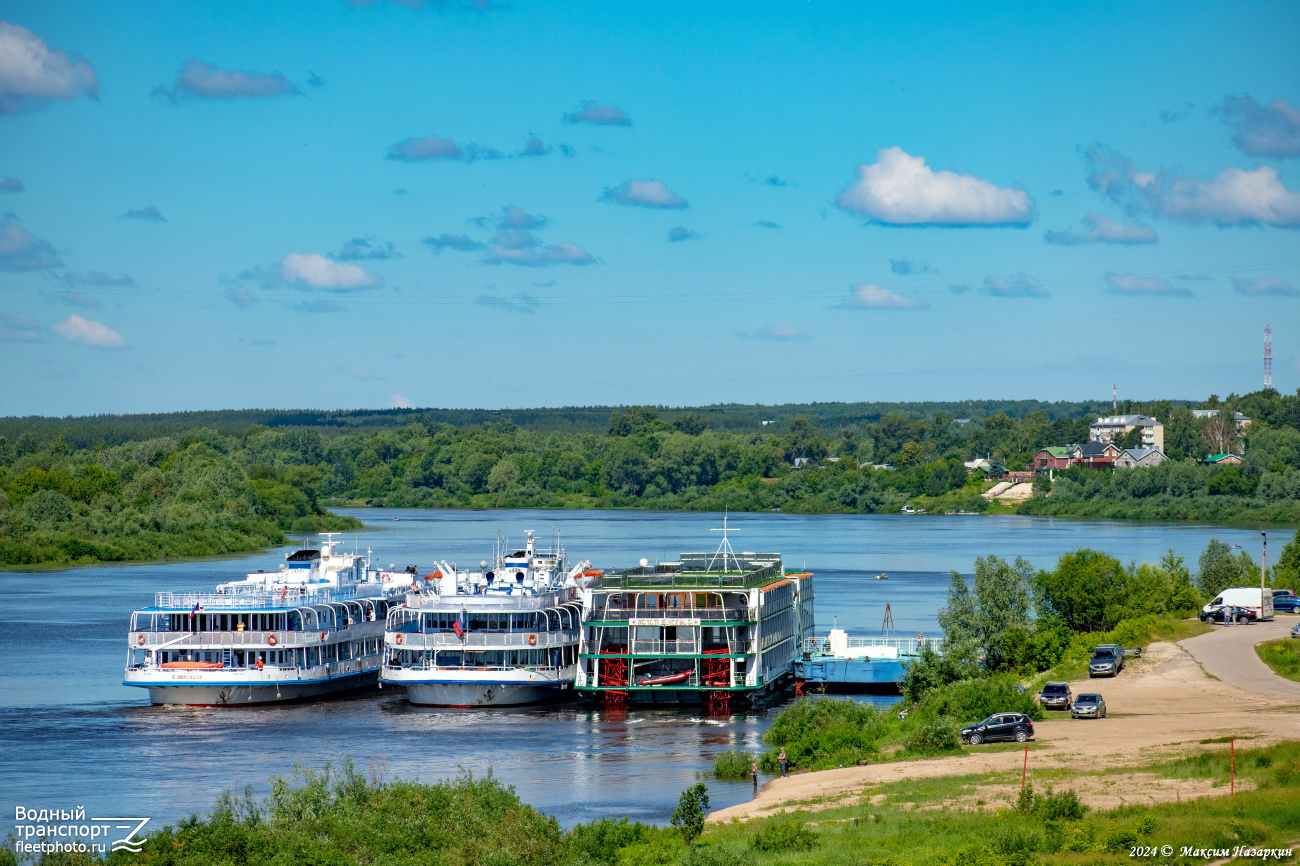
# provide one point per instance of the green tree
(1085, 590)
(1219, 569)
(690, 423)
(692, 806)
(1285, 573)
(1131, 439)
(991, 616)
(503, 475)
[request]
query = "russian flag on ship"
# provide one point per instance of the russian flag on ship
(460, 626)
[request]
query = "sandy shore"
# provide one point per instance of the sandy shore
(1160, 706)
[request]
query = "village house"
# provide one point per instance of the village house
(1112, 427)
(1222, 460)
(1094, 454)
(1052, 457)
(1134, 458)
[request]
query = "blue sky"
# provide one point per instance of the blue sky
(333, 205)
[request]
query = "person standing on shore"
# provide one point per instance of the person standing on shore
(784, 761)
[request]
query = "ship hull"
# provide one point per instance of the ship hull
(481, 694)
(221, 690)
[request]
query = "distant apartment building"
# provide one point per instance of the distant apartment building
(1241, 420)
(1112, 427)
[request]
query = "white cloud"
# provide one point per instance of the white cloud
(907, 267)
(20, 250)
(463, 243)
(513, 217)
(592, 111)
(148, 214)
(1128, 284)
(871, 296)
(1102, 230)
(33, 74)
(778, 333)
(436, 147)
(535, 147)
(1263, 130)
(80, 299)
(367, 248)
(681, 233)
(318, 272)
(1263, 286)
(1019, 286)
(10, 184)
(78, 330)
(518, 247)
(520, 303)
(199, 79)
(1236, 197)
(397, 401)
(900, 189)
(644, 193)
(18, 328)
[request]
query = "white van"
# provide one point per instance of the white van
(1258, 603)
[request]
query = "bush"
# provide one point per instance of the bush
(934, 737)
(818, 733)
(733, 764)
(1062, 806)
(974, 700)
(48, 508)
(691, 809)
(785, 836)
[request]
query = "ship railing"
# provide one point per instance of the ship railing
(704, 614)
(183, 640)
(491, 640)
(648, 577)
(428, 665)
(294, 597)
(485, 603)
(904, 644)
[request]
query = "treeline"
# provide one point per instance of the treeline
(160, 498)
(212, 490)
(84, 432)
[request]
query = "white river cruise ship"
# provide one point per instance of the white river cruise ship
(311, 629)
(503, 635)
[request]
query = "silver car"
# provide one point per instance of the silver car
(1089, 706)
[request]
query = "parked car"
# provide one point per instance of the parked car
(1286, 603)
(1107, 660)
(1281, 592)
(1226, 614)
(1089, 706)
(1000, 726)
(1056, 696)
(1256, 603)
(1295, 630)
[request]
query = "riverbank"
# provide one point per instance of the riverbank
(1161, 708)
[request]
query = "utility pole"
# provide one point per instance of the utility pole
(1114, 397)
(1263, 564)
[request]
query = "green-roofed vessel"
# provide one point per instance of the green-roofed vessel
(710, 628)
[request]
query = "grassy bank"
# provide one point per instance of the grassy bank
(337, 817)
(1283, 656)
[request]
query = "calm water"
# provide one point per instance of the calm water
(71, 734)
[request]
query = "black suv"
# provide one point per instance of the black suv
(1000, 726)
(1107, 660)
(1056, 696)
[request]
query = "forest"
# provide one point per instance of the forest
(108, 489)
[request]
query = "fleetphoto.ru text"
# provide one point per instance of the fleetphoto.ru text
(59, 831)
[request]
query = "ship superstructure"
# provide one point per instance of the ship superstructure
(504, 634)
(707, 628)
(310, 629)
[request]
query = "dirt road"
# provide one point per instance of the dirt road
(1160, 706)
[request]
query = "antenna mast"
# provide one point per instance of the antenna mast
(724, 549)
(1114, 397)
(1268, 357)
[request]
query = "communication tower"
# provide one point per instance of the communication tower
(1268, 357)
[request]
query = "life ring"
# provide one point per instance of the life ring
(532, 640)
(272, 640)
(140, 640)
(322, 635)
(387, 577)
(398, 640)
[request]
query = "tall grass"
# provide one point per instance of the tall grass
(733, 764)
(1283, 656)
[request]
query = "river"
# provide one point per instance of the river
(74, 736)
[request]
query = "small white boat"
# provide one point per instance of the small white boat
(882, 576)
